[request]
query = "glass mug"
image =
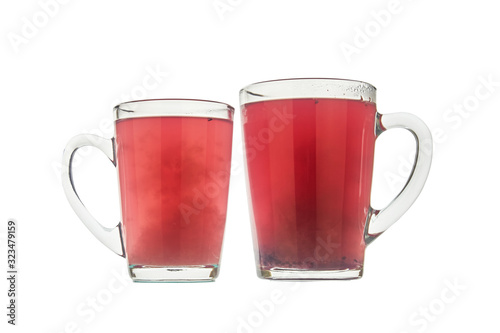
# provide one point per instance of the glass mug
(309, 147)
(173, 158)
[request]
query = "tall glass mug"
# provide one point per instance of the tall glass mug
(309, 152)
(173, 159)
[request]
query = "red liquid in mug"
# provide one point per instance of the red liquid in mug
(174, 179)
(310, 164)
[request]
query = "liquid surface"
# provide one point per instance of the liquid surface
(174, 179)
(310, 164)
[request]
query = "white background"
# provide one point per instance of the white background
(429, 58)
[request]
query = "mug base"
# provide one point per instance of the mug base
(145, 273)
(301, 275)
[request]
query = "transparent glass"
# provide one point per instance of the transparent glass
(309, 147)
(173, 158)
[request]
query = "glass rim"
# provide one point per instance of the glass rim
(173, 107)
(308, 87)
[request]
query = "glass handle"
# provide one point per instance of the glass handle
(111, 237)
(380, 220)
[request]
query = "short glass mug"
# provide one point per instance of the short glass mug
(309, 147)
(173, 158)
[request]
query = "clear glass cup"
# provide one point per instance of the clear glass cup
(173, 158)
(309, 147)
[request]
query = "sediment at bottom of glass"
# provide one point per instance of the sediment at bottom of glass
(202, 273)
(300, 274)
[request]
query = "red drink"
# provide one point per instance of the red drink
(310, 164)
(174, 179)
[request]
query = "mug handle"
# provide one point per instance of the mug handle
(111, 237)
(379, 221)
